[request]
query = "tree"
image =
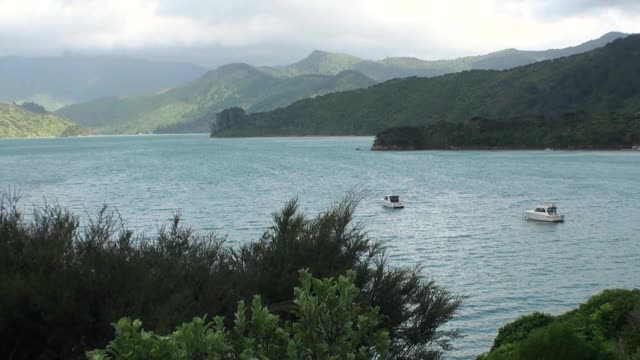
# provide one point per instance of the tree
(34, 107)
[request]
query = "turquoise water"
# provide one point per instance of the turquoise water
(463, 220)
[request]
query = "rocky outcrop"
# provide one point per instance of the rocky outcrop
(229, 118)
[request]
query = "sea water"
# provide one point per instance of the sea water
(463, 221)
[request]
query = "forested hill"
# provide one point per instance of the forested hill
(192, 107)
(602, 80)
(564, 131)
(26, 121)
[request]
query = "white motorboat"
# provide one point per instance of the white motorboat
(546, 212)
(392, 201)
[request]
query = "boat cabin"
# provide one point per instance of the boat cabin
(392, 198)
(547, 209)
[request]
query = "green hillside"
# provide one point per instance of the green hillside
(600, 81)
(193, 106)
(320, 62)
(15, 121)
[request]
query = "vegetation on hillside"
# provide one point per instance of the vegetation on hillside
(329, 324)
(188, 107)
(605, 327)
(63, 284)
(567, 131)
(31, 120)
(601, 81)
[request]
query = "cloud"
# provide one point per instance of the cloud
(548, 9)
(276, 30)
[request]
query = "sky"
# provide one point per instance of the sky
(273, 32)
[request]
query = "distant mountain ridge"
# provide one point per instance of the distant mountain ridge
(60, 80)
(192, 107)
(399, 67)
(603, 80)
(16, 121)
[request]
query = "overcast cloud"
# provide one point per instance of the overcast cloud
(212, 32)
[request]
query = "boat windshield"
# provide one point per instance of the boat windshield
(394, 199)
(540, 210)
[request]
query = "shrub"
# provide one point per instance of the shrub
(557, 341)
(330, 325)
(605, 327)
(519, 329)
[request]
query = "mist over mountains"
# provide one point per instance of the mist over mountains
(59, 80)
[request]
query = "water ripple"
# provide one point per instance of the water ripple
(463, 222)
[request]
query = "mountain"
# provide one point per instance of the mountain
(16, 121)
(60, 80)
(602, 80)
(192, 107)
(319, 62)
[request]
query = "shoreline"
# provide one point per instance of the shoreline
(477, 148)
(291, 136)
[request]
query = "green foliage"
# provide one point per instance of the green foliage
(570, 130)
(186, 107)
(606, 327)
(63, 284)
(31, 121)
(600, 81)
(558, 341)
(519, 329)
(330, 325)
(609, 310)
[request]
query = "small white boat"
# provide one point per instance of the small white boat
(546, 212)
(392, 201)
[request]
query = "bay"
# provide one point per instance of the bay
(463, 220)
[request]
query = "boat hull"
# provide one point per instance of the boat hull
(532, 215)
(393, 205)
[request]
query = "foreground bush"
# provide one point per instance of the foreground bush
(330, 325)
(606, 327)
(63, 284)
